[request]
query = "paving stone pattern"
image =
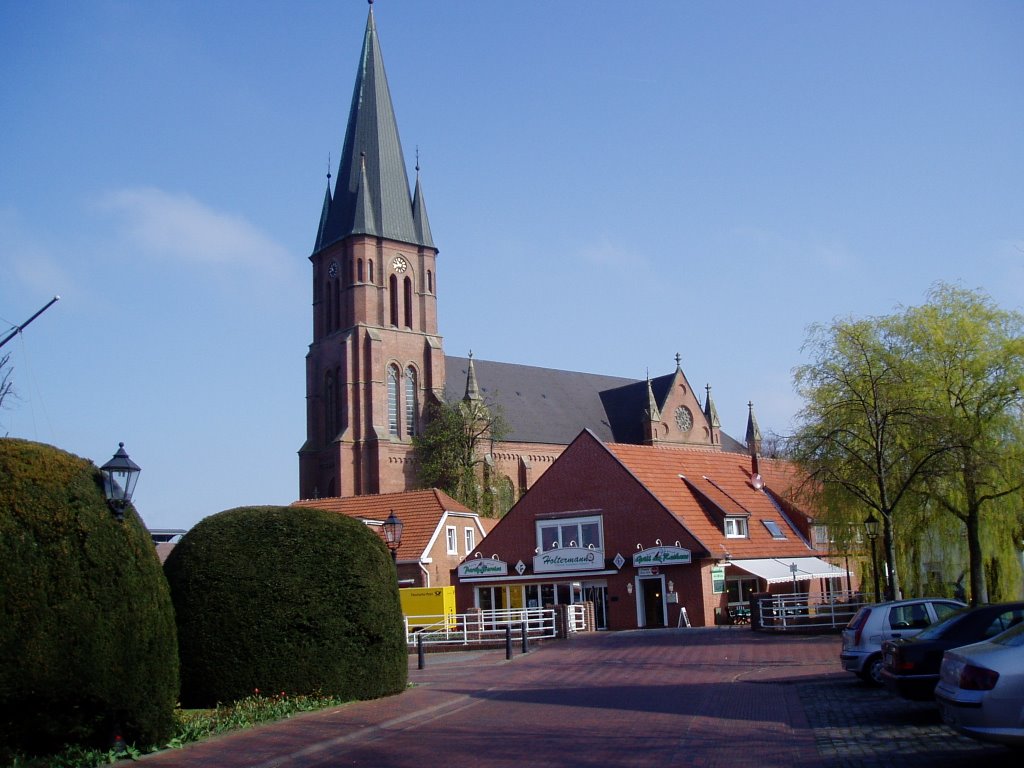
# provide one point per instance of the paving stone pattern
(724, 697)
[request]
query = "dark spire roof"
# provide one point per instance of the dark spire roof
(419, 213)
(325, 214)
(753, 432)
(710, 412)
(374, 201)
(472, 388)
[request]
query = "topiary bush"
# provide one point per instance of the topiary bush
(87, 635)
(285, 599)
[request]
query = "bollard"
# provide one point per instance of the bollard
(526, 638)
(420, 656)
(508, 641)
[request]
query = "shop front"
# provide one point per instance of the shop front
(650, 537)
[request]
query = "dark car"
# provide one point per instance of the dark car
(911, 665)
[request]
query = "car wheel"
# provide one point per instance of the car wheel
(872, 671)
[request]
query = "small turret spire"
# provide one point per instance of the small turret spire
(710, 412)
(679, 362)
(472, 388)
(653, 412)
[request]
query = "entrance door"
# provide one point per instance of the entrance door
(653, 591)
(598, 595)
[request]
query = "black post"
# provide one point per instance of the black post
(526, 638)
(874, 569)
(508, 641)
(421, 657)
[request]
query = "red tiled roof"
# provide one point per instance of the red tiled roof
(419, 511)
(718, 484)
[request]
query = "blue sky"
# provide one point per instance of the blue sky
(609, 183)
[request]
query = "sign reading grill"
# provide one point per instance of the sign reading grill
(661, 556)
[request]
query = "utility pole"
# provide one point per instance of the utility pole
(24, 325)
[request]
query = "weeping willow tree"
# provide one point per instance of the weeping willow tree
(919, 416)
(968, 365)
(856, 435)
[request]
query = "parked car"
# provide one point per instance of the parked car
(981, 688)
(873, 624)
(911, 665)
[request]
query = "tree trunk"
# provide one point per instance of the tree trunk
(979, 590)
(892, 588)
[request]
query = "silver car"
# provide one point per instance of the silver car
(981, 688)
(873, 624)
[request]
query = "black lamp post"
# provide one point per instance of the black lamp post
(393, 535)
(119, 477)
(871, 527)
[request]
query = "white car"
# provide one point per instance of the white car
(873, 624)
(981, 688)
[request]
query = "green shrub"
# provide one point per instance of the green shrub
(285, 599)
(87, 638)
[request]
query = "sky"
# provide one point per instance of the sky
(608, 182)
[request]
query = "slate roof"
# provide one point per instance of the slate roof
(371, 194)
(420, 511)
(546, 405)
(717, 484)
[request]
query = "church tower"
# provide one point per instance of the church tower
(376, 356)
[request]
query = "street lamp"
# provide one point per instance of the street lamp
(393, 534)
(871, 527)
(119, 477)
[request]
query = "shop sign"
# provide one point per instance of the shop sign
(568, 559)
(661, 556)
(648, 571)
(718, 580)
(483, 567)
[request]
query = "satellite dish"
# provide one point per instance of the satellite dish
(757, 481)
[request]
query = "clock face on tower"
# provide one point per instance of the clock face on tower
(332, 269)
(684, 419)
(399, 264)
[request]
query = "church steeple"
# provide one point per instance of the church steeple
(472, 387)
(419, 211)
(372, 137)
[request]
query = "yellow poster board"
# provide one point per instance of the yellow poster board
(435, 604)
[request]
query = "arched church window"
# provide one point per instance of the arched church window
(336, 284)
(393, 400)
(328, 311)
(393, 295)
(369, 263)
(410, 401)
(430, 281)
(330, 404)
(359, 271)
(407, 285)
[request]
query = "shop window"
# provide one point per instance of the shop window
(740, 589)
(736, 527)
(452, 536)
(583, 532)
(470, 540)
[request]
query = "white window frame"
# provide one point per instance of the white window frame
(470, 539)
(562, 522)
(739, 528)
(452, 539)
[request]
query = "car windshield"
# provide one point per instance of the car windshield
(938, 629)
(1013, 637)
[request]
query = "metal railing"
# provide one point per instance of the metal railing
(791, 613)
(480, 627)
(576, 617)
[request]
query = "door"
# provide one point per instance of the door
(652, 592)
(597, 593)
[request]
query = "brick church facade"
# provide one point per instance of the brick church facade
(377, 360)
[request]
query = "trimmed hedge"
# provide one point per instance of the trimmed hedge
(87, 636)
(285, 599)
